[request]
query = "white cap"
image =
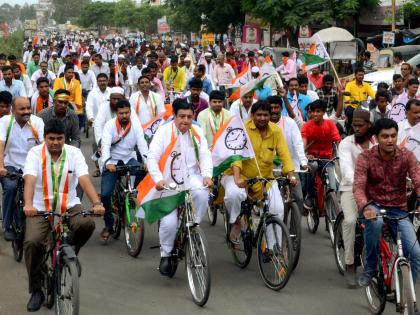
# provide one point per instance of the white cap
(121, 56)
(208, 54)
(116, 90)
(255, 69)
(86, 54)
(260, 52)
(53, 53)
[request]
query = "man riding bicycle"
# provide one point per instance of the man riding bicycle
(44, 164)
(267, 140)
(380, 183)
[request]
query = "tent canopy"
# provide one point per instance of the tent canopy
(334, 34)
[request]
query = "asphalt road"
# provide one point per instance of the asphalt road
(113, 283)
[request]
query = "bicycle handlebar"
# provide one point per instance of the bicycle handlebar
(14, 176)
(324, 160)
(46, 214)
(175, 187)
(383, 214)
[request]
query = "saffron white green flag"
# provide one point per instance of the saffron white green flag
(155, 204)
(231, 143)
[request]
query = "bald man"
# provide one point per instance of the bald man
(19, 132)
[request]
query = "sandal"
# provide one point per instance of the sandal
(105, 234)
(235, 234)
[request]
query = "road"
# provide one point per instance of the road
(114, 283)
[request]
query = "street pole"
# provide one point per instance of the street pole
(393, 16)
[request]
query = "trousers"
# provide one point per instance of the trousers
(36, 236)
(348, 204)
(169, 224)
(9, 194)
(234, 196)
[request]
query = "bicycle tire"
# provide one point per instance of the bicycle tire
(117, 214)
(406, 298)
(243, 252)
(87, 129)
(312, 220)
(196, 259)
(174, 266)
(67, 266)
(339, 250)
(225, 214)
(212, 213)
(48, 283)
(292, 220)
(17, 246)
(265, 255)
(133, 228)
(376, 289)
(332, 208)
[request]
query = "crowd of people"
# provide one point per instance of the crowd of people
(122, 88)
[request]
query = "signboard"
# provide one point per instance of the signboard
(163, 26)
(304, 31)
(251, 34)
(388, 38)
(30, 25)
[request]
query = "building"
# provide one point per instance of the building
(43, 12)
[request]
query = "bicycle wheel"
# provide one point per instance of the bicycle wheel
(117, 214)
(17, 245)
(292, 220)
(198, 266)
(48, 282)
(87, 129)
(274, 260)
(133, 228)
(376, 291)
(242, 252)
(312, 220)
(332, 207)
(339, 244)
(212, 213)
(406, 297)
(67, 290)
(225, 215)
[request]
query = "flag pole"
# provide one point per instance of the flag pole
(335, 72)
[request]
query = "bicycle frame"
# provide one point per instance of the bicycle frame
(125, 188)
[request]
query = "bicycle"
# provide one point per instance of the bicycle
(191, 243)
(394, 272)
(328, 202)
(214, 205)
(124, 209)
(61, 270)
(292, 217)
(18, 228)
(280, 256)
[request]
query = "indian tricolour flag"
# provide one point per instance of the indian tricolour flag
(230, 144)
(155, 204)
(317, 54)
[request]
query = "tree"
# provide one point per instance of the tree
(125, 13)
(147, 16)
(27, 12)
(411, 11)
(65, 10)
(97, 14)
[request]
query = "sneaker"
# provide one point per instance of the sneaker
(350, 276)
(308, 203)
(36, 301)
(365, 278)
(165, 266)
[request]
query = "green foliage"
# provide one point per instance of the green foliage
(65, 10)
(9, 13)
(97, 14)
(411, 9)
(13, 44)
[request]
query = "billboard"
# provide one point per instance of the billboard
(163, 26)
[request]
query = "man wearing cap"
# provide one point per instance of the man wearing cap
(61, 111)
(54, 63)
(209, 64)
(263, 91)
(223, 73)
(188, 68)
(174, 77)
(18, 134)
(43, 72)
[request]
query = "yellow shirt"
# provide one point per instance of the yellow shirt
(176, 78)
(359, 93)
(75, 90)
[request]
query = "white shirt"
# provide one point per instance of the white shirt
(134, 74)
(38, 74)
(95, 98)
(77, 167)
(28, 85)
(20, 141)
(145, 114)
(88, 80)
(160, 142)
(123, 150)
(404, 128)
(101, 119)
(25, 58)
(348, 151)
(294, 141)
(102, 69)
(235, 109)
(312, 95)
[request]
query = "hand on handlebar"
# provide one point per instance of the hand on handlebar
(292, 179)
(161, 185)
(207, 182)
(369, 213)
(111, 168)
(3, 172)
(29, 211)
(98, 209)
(240, 182)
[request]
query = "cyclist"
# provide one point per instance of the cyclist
(19, 132)
(97, 96)
(348, 151)
(412, 113)
(145, 103)
(119, 137)
(380, 183)
(68, 165)
(242, 106)
(318, 136)
(214, 117)
(197, 172)
(42, 98)
(267, 140)
(294, 141)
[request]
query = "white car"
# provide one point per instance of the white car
(386, 75)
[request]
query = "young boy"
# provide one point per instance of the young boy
(382, 109)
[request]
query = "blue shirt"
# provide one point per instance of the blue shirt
(207, 87)
(302, 102)
(263, 93)
(16, 89)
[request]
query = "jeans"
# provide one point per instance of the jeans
(108, 182)
(317, 167)
(9, 195)
(372, 234)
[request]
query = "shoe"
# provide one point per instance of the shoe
(165, 266)
(350, 276)
(36, 301)
(365, 278)
(105, 234)
(9, 235)
(308, 204)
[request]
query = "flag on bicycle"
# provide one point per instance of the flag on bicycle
(231, 143)
(155, 204)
